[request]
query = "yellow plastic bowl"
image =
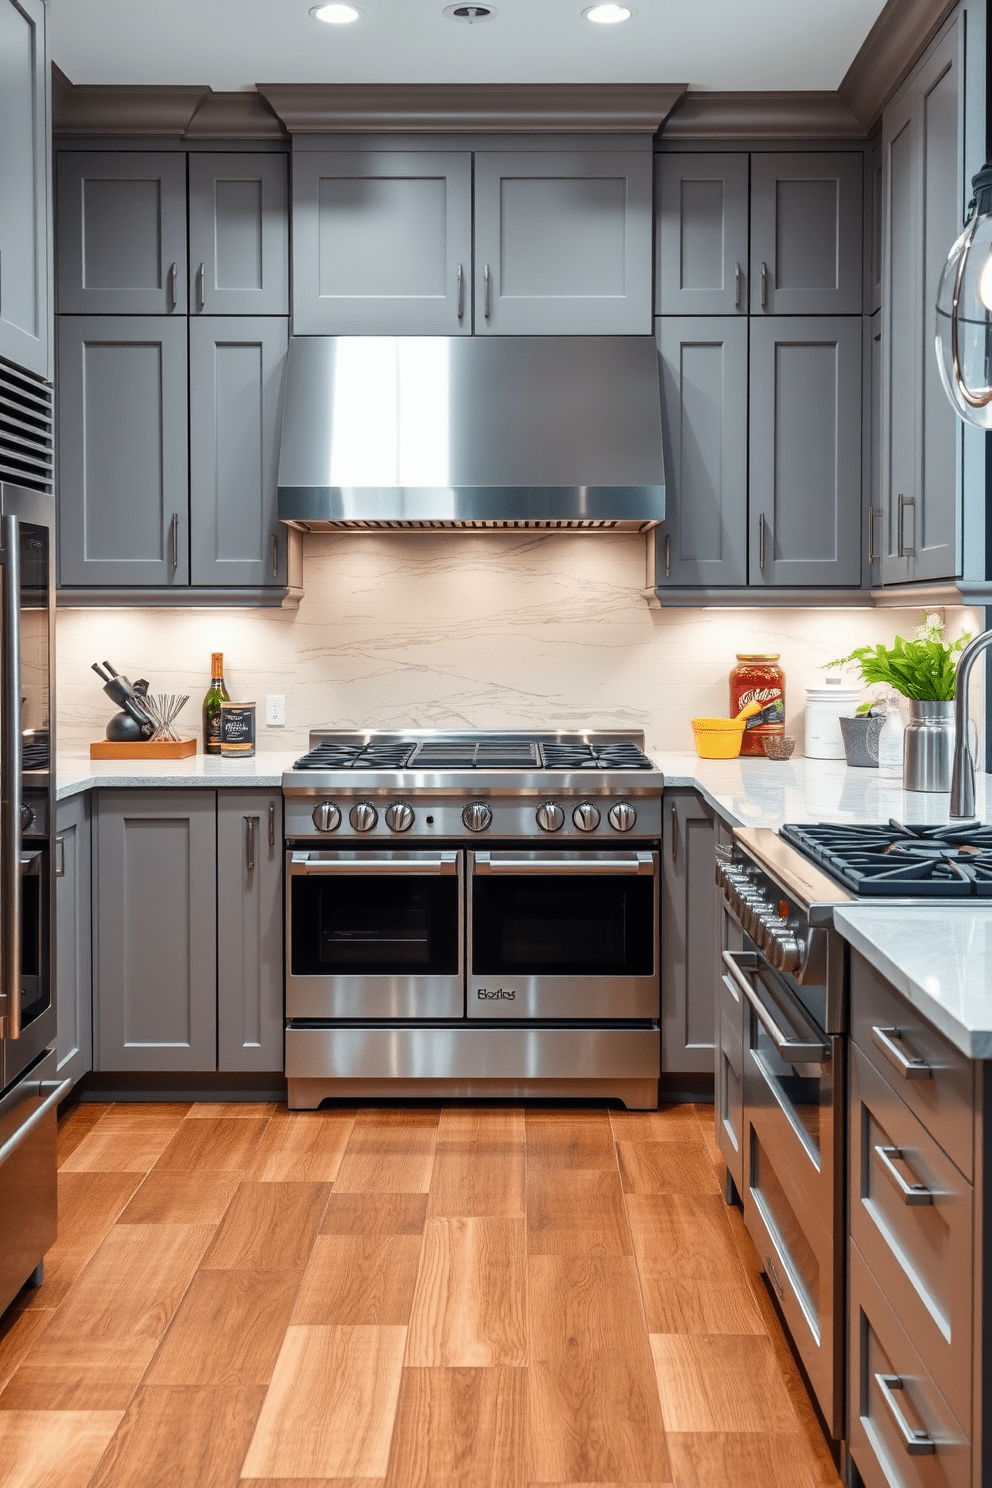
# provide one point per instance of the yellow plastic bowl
(718, 738)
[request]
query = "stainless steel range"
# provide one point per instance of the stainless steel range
(473, 914)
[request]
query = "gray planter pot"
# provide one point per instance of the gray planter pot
(860, 735)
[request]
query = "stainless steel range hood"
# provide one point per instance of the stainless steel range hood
(472, 431)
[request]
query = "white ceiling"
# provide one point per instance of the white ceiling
(232, 44)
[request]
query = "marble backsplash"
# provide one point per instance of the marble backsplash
(459, 630)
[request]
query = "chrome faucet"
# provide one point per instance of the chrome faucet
(963, 778)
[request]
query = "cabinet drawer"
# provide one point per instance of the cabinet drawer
(892, 1397)
(934, 1079)
(729, 1099)
(911, 1216)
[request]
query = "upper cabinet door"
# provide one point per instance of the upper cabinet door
(382, 243)
(122, 451)
(563, 243)
(702, 229)
(235, 387)
(238, 235)
(25, 316)
(805, 450)
(122, 233)
(806, 236)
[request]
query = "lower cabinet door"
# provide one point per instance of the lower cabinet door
(688, 921)
(73, 971)
(249, 931)
(155, 925)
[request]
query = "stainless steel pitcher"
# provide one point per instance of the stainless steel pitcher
(929, 751)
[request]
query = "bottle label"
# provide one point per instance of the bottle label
(773, 705)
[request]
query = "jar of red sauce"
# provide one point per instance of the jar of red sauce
(757, 678)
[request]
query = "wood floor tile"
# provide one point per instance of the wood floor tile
(666, 1167)
(691, 1280)
(720, 1383)
(460, 1428)
(482, 1126)
(532, 1484)
(570, 1139)
(19, 1328)
(302, 1147)
(224, 1143)
(389, 1152)
(593, 1410)
(374, 1214)
(182, 1437)
(89, 1203)
(268, 1227)
(53, 1449)
(315, 1482)
(231, 1110)
(671, 1123)
(575, 1212)
(359, 1279)
(79, 1374)
(142, 1115)
(330, 1408)
(479, 1166)
(229, 1329)
(118, 1151)
(755, 1460)
(469, 1306)
(179, 1196)
(74, 1126)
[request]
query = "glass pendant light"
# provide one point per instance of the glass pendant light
(964, 311)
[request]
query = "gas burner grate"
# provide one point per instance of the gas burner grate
(620, 756)
(34, 756)
(930, 862)
(469, 754)
(336, 756)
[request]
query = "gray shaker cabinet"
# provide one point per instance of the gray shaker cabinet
(805, 451)
(155, 930)
(806, 234)
(703, 539)
(122, 233)
(25, 316)
(122, 451)
(235, 375)
(382, 242)
(689, 910)
(249, 931)
(73, 970)
(702, 234)
(563, 242)
(238, 235)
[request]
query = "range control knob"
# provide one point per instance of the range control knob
(622, 816)
(477, 816)
(550, 817)
(586, 816)
(363, 816)
(787, 952)
(27, 817)
(399, 817)
(326, 817)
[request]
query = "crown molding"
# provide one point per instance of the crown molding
(231, 116)
(504, 108)
(135, 110)
(893, 44)
(759, 116)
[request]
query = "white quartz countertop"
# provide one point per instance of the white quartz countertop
(77, 772)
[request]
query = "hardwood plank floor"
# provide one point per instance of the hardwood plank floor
(399, 1298)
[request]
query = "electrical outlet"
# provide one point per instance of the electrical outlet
(275, 710)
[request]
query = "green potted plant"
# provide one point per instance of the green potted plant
(923, 670)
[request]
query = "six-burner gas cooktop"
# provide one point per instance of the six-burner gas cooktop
(927, 862)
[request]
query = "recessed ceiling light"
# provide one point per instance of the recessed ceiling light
(336, 14)
(470, 13)
(608, 15)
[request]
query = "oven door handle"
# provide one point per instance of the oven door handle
(302, 865)
(794, 1051)
(552, 865)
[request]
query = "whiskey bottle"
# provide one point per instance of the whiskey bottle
(216, 694)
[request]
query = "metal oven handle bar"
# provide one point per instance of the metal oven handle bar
(302, 865)
(53, 1091)
(799, 1051)
(914, 1194)
(917, 1443)
(910, 1068)
(10, 778)
(634, 863)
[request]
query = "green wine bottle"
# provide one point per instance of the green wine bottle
(216, 694)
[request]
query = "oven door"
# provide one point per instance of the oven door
(562, 934)
(374, 935)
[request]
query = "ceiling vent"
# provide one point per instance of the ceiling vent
(470, 13)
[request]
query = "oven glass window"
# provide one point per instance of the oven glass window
(563, 925)
(365, 925)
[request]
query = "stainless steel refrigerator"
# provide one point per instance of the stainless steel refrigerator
(29, 1089)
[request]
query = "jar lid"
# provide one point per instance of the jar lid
(833, 694)
(758, 655)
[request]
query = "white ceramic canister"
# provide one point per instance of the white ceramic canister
(824, 708)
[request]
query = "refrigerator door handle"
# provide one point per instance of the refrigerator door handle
(10, 775)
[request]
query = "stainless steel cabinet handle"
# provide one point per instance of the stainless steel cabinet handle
(915, 1195)
(909, 1068)
(668, 555)
(461, 292)
(675, 834)
(201, 296)
(873, 512)
(487, 302)
(52, 1091)
(250, 843)
(175, 541)
(737, 287)
(272, 823)
(904, 549)
(917, 1443)
(60, 857)
(275, 556)
(800, 1051)
(761, 540)
(173, 286)
(10, 776)
(305, 865)
(553, 866)
(764, 286)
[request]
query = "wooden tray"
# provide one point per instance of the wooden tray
(107, 749)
